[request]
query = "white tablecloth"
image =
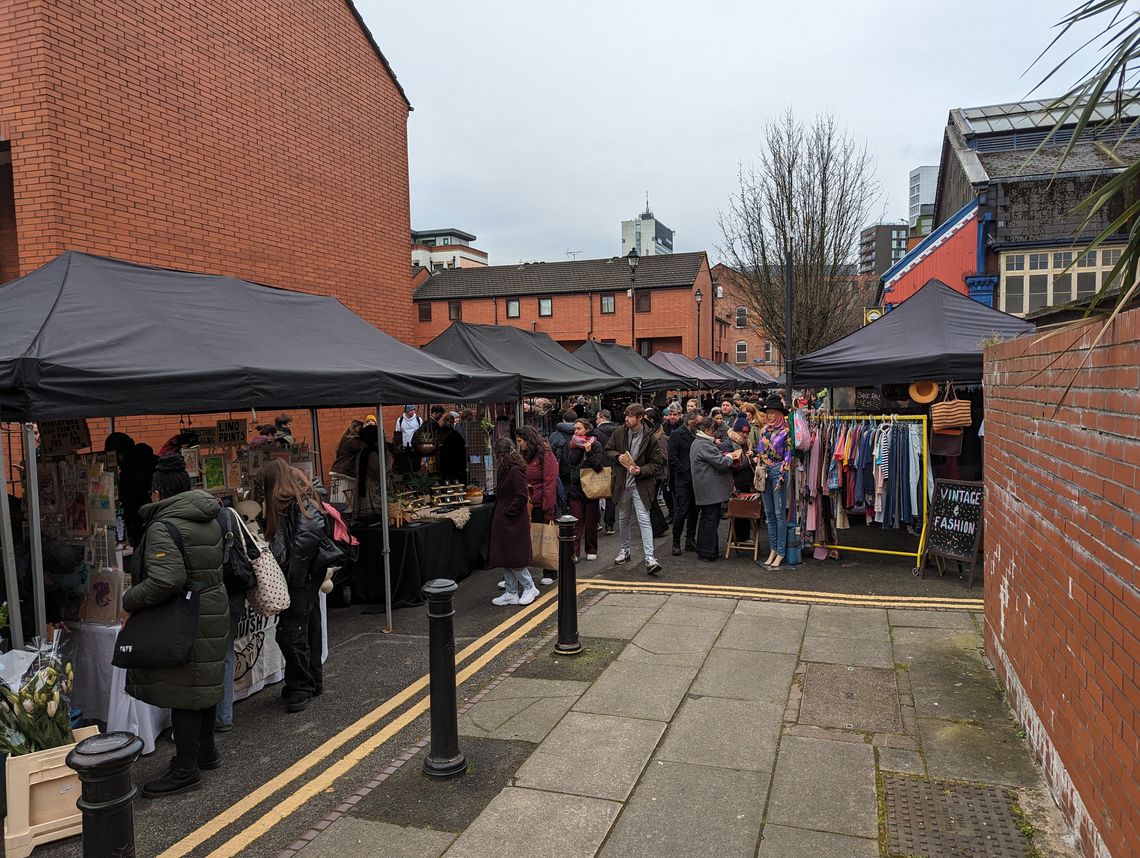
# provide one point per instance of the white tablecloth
(100, 687)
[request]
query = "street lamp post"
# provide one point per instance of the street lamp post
(699, 297)
(632, 258)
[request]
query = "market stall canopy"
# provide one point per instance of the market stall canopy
(935, 335)
(682, 366)
(762, 377)
(541, 365)
(731, 374)
(88, 336)
(626, 363)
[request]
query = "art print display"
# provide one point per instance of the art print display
(101, 500)
(75, 520)
(213, 473)
(193, 459)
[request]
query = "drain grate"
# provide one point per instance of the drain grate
(938, 819)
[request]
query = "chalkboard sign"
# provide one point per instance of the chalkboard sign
(955, 520)
(64, 436)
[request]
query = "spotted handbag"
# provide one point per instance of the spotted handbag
(271, 594)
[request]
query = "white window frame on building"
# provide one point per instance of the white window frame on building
(546, 307)
(767, 351)
(514, 308)
(1032, 279)
(741, 352)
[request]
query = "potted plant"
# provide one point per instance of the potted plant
(36, 736)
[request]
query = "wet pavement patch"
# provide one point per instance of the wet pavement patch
(586, 666)
(411, 798)
(854, 698)
(948, 819)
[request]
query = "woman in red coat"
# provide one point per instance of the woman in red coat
(510, 527)
(541, 480)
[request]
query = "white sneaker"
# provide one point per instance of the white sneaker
(591, 556)
(502, 585)
(545, 582)
(508, 599)
(528, 596)
(623, 557)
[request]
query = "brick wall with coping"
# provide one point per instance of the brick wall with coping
(263, 143)
(1062, 537)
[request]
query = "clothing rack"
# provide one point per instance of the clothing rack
(895, 418)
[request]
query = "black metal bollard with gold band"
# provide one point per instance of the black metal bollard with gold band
(107, 800)
(568, 643)
(444, 758)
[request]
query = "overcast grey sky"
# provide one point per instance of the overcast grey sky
(540, 126)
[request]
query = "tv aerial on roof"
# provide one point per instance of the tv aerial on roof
(573, 255)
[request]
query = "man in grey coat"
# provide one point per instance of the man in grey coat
(712, 485)
(637, 461)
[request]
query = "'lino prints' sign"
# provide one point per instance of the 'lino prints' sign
(955, 520)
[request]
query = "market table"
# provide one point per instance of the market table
(421, 551)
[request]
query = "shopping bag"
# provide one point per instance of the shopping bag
(544, 545)
(163, 635)
(596, 484)
(951, 411)
(657, 520)
(271, 595)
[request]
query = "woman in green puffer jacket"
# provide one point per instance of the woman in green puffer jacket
(192, 691)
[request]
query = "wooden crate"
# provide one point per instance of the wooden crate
(42, 792)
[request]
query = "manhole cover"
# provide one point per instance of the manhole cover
(935, 819)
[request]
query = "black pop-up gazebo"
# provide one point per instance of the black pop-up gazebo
(88, 336)
(541, 365)
(937, 334)
(640, 373)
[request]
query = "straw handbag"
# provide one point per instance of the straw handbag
(596, 484)
(951, 412)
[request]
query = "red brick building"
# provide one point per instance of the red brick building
(582, 300)
(224, 137)
(748, 342)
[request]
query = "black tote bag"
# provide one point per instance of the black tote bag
(162, 636)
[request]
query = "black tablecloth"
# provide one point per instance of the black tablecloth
(420, 552)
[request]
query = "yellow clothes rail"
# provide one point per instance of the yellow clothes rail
(924, 464)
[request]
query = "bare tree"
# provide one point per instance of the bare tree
(810, 193)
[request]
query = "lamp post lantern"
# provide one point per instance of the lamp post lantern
(699, 296)
(632, 258)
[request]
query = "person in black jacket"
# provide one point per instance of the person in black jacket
(584, 451)
(295, 530)
(603, 428)
(680, 470)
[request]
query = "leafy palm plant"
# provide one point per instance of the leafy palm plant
(1115, 45)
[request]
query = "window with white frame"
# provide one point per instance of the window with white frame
(741, 352)
(1030, 281)
(767, 351)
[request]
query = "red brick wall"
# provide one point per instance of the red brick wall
(1063, 566)
(952, 261)
(672, 315)
(266, 142)
(754, 334)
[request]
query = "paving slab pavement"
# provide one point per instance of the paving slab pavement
(352, 836)
(825, 786)
(600, 756)
(720, 737)
(687, 810)
(606, 620)
(527, 823)
(525, 709)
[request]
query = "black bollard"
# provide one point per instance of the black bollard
(444, 758)
(107, 800)
(567, 589)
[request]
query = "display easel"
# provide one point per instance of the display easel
(895, 418)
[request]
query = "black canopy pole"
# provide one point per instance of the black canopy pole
(8, 548)
(319, 470)
(34, 531)
(384, 520)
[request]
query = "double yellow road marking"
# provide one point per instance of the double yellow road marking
(519, 624)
